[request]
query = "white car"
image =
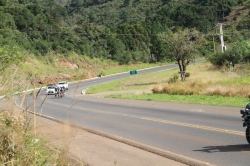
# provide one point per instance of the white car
(50, 90)
(49, 85)
(63, 84)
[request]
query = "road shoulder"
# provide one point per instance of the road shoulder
(86, 148)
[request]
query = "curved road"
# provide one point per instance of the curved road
(211, 134)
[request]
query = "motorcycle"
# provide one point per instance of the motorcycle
(246, 121)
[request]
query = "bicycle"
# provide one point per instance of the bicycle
(59, 93)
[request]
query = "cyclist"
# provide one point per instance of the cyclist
(57, 91)
(62, 90)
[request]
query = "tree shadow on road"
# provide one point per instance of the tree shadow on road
(225, 148)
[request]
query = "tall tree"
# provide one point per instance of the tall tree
(182, 47)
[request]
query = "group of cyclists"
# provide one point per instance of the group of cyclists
(59, 91)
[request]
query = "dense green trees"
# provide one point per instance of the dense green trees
(121, 30)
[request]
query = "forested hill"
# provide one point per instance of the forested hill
(202, 14)
(121, 30)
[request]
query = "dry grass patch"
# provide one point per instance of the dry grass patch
(231, 90)
(205, 79)
(20, 144)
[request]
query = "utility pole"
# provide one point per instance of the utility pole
(222, 46)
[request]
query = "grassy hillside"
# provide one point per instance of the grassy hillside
(39, 71)
(236, 24)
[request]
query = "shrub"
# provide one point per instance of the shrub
(125, 58)
(157, 89)
(174, 79)
(218, 59)
(42, 47)
(187, 74)
(17, 145)
(166, 89)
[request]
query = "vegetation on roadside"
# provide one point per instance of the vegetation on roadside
(19, 144)
(206, 84)
(54, 68)
(214, 100)
(10, 59)
(182, 47)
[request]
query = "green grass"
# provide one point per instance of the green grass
(236, 81)
(118, 85)
(189, 99)
(116, 68)
(137, 82)
(201, 74)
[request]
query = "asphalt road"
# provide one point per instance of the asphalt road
(211, 134)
